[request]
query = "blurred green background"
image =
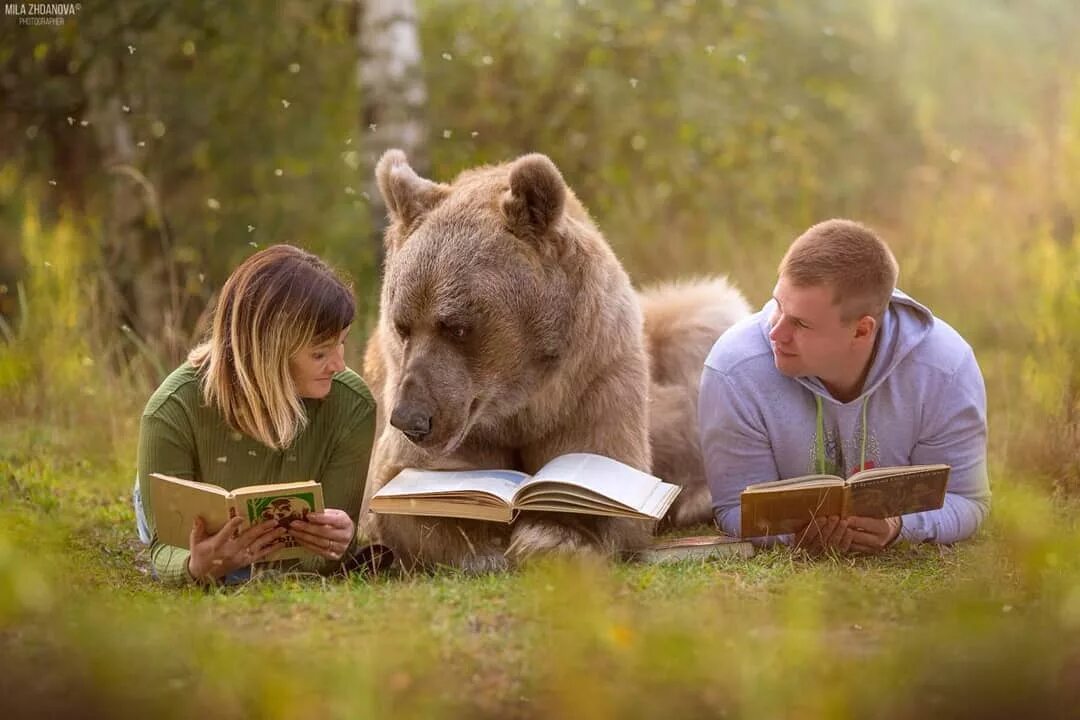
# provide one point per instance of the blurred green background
(147, 147)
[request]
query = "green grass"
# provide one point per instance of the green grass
(989, 626)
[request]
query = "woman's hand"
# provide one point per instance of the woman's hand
(214, 556)
(325, 533)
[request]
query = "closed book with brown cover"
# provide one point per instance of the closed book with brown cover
(784, 506)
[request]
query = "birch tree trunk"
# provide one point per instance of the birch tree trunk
(393, 95)
(140, 282)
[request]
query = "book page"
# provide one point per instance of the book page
(801, 481)
(609, 478)
(412, 482)
(282, 503)
(454, 506)
(661, 498)
(895, 471)
(176, 502)
(271, 488)
(552, 495)
(193, 484)
(560, 497)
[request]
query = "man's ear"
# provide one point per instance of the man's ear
(865, 328)
(406, 194)
(536, 196)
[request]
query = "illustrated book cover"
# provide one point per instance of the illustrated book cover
(175, 502)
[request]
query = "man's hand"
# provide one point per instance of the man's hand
(326, 533)
(872, 535)
(214, 556)
(823, 534)
(852, 534)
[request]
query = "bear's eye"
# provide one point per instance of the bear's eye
(402, 330)
(454, 331)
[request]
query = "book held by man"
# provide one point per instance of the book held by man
(176, 502)
(575, 483)
(784, 506)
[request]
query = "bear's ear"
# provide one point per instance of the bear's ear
(536, 196)
(407, 195)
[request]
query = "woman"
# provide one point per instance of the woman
(267, 399)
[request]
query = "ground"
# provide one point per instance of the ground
(779, 635)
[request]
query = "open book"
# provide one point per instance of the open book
(175, 503)
(575, 483)
(784, 506)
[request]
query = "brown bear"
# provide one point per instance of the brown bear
(509, 334)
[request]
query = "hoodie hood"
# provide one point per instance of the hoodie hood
(906, 323)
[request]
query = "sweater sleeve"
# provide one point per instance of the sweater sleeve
(735, 447)
(954, 433)
(345, 476)
(165, 446)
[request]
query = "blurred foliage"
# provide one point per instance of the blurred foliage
(690, 130)
(702, 137)
(240, 119)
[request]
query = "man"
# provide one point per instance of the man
(840, 371)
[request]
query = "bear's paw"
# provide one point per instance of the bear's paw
(534, 536)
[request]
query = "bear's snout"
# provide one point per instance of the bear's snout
(413, 419)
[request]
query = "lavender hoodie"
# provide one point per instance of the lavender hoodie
(925, 403)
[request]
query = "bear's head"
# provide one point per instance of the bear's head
(285, 509)
(478, 293)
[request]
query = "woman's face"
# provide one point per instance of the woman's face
(313, 368)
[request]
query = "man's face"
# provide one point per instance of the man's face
(808, 335)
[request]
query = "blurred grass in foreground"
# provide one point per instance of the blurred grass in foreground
(988, 628)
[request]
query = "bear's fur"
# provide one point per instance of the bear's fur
(509, 334)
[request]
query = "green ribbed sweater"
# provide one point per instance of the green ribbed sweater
(180, 436)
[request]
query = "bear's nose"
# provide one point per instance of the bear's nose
(412, 420)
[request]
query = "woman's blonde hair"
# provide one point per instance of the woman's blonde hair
(849, 258)
(279, 301)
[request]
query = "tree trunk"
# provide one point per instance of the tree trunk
(139, 273)
(393, 95)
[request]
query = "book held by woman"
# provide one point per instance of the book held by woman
(176, 501)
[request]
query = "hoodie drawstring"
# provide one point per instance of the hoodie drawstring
(821, 436)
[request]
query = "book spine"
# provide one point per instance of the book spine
(847, 503)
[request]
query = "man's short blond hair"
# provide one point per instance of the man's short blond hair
(848, 257)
